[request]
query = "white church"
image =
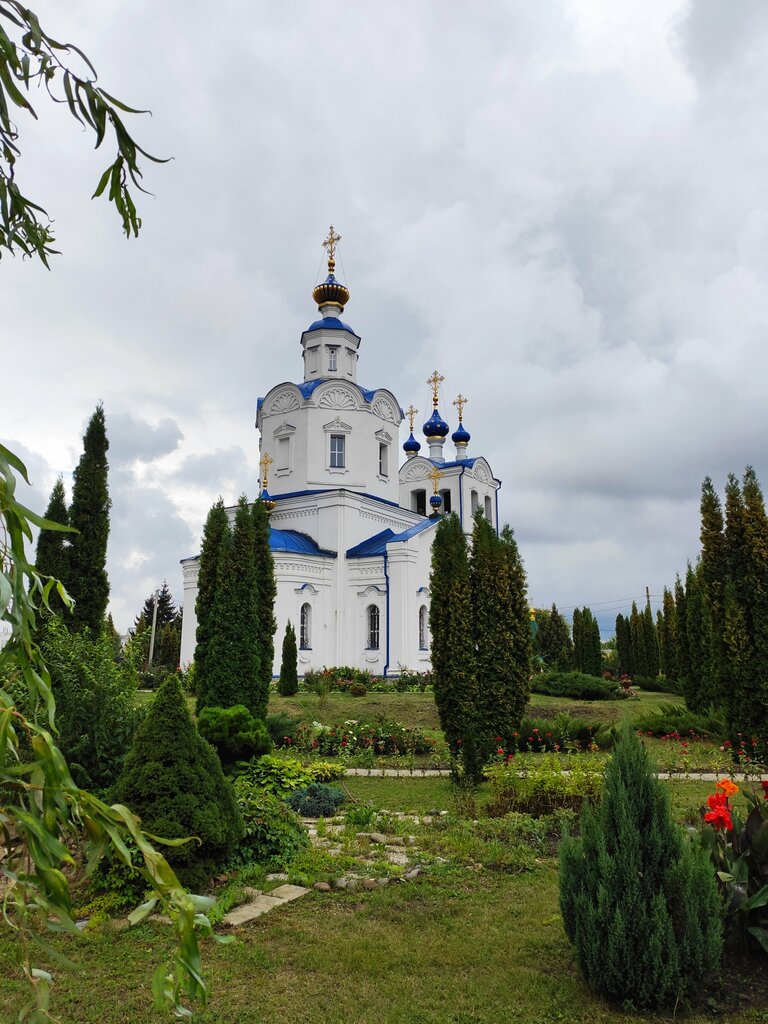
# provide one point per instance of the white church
(351, 534)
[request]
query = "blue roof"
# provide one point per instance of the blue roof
(329, 323)
(456, 462)
(292, 540)
(377, 545)
(308, 386)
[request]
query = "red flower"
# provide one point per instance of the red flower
(719, 815)
(764, 784)
(500, 750)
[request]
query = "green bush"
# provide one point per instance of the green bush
(659, 684)
(638, 898)
(288, 683)
(283, 775)
(675, 719)
(339, 678)
(172, 779)
(563, 732)
(96, 710)
(576, 685)
(316, 800)
(357, 690)
(272, 831)
(281, 727)
(234, 732)
(542, 785)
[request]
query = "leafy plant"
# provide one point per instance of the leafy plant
(541, 785)
(669, 719)
(638, 899)
(283, 775)
(316, 800)
(234, 732)
(272, 831)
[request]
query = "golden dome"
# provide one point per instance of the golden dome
(331, 291)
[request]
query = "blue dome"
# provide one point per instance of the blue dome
(436, 501)
(435, 426)
(460, 436)
(411, 445)
(329, 323)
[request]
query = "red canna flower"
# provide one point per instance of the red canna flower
(764, 784)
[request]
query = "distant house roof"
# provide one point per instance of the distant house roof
(377, 545)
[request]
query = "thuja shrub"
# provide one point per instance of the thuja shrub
(172, 779)
(234, 732)
(638, 897)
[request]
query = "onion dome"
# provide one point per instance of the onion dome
(435, 426)
(461, 435)
(436, 501)
(412, 446)
(331, 292)
(268, 502)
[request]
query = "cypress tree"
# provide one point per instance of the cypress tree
(232, 670)
(289, 677)
(681, 648)
(453, 653)
(578, 641)
(651, 641)
(623, 646)
(266, 591)
(173, 780)
(696, 623)
(592, 651)
(553, 640)
(667, 641)
(52, 555)
(714, 579)
(215, 535)
(639, 900)
(637, 641)
(89, 515)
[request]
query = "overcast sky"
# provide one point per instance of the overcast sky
(560, 205)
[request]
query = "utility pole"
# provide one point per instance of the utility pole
(154, 626)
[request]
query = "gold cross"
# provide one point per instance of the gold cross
(435, 476)
(410, 412)
(265, 462)
(435, 381)
(460, 401)
(330, 246)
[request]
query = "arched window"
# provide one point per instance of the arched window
(488, 513)
(305, 628)
(423, 621)
(473, 497)
(373, 627)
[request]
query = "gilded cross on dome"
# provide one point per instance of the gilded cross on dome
(434, 382)
(435, 476)
(460, 401)
(330, 247)
(265, 462)
(410, 412)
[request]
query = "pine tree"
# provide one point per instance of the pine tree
(266, 591)
(651, 641)
(52, 556)
(714, 580)
(453, 652)
(623, 646)
(89, 515)
(639, 900)
(289, 678)
(637, 640)
(166, 609)
(232, 668)
(697, 633)
(173, 780)
(215, 536)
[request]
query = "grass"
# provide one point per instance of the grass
(414, 710)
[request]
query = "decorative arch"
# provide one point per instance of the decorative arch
(337, 396)
(283, 401)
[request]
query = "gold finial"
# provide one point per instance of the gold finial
(265, 462)
(410, 412)
(434, 382)
(435, 476)
(330, 246)
(460, 401)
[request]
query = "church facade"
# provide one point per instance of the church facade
(352, 528)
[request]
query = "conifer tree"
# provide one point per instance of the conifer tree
(651, 641)
(517, 611)
(52, 556)
(637, 640)
(266, 591)
(639, 900)
(232, 668)
(623, 646)
(453, 653)
(682, 651)
(166, 609)
(578, 641)
(173, 780)
(591, 648)
(696, 628)
(215, 536)
(553, 641)
(289, 677)
(667, 639)
(714, 580)
(89, 515)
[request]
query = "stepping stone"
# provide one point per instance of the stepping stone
(369, 884)
(396, 855)
(279, 876)
(286, 893)
(322, 887)
(378, 837)
(250, 911)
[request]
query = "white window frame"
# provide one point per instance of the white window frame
(373, 628)
(333, 359)
(305, 627)
(423, 628)
(337, 450)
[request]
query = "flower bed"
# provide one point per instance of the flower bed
(352, 737)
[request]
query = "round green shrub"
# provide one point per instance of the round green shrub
(172, 779)
(316, 800)
(234, 732)
(357, 689)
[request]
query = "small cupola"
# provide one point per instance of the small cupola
(460, 436)
(436, 429)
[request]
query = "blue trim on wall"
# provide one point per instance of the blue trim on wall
(386, 578)
(329, 490)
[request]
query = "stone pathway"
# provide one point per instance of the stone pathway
(261, 902)
(443, 773)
